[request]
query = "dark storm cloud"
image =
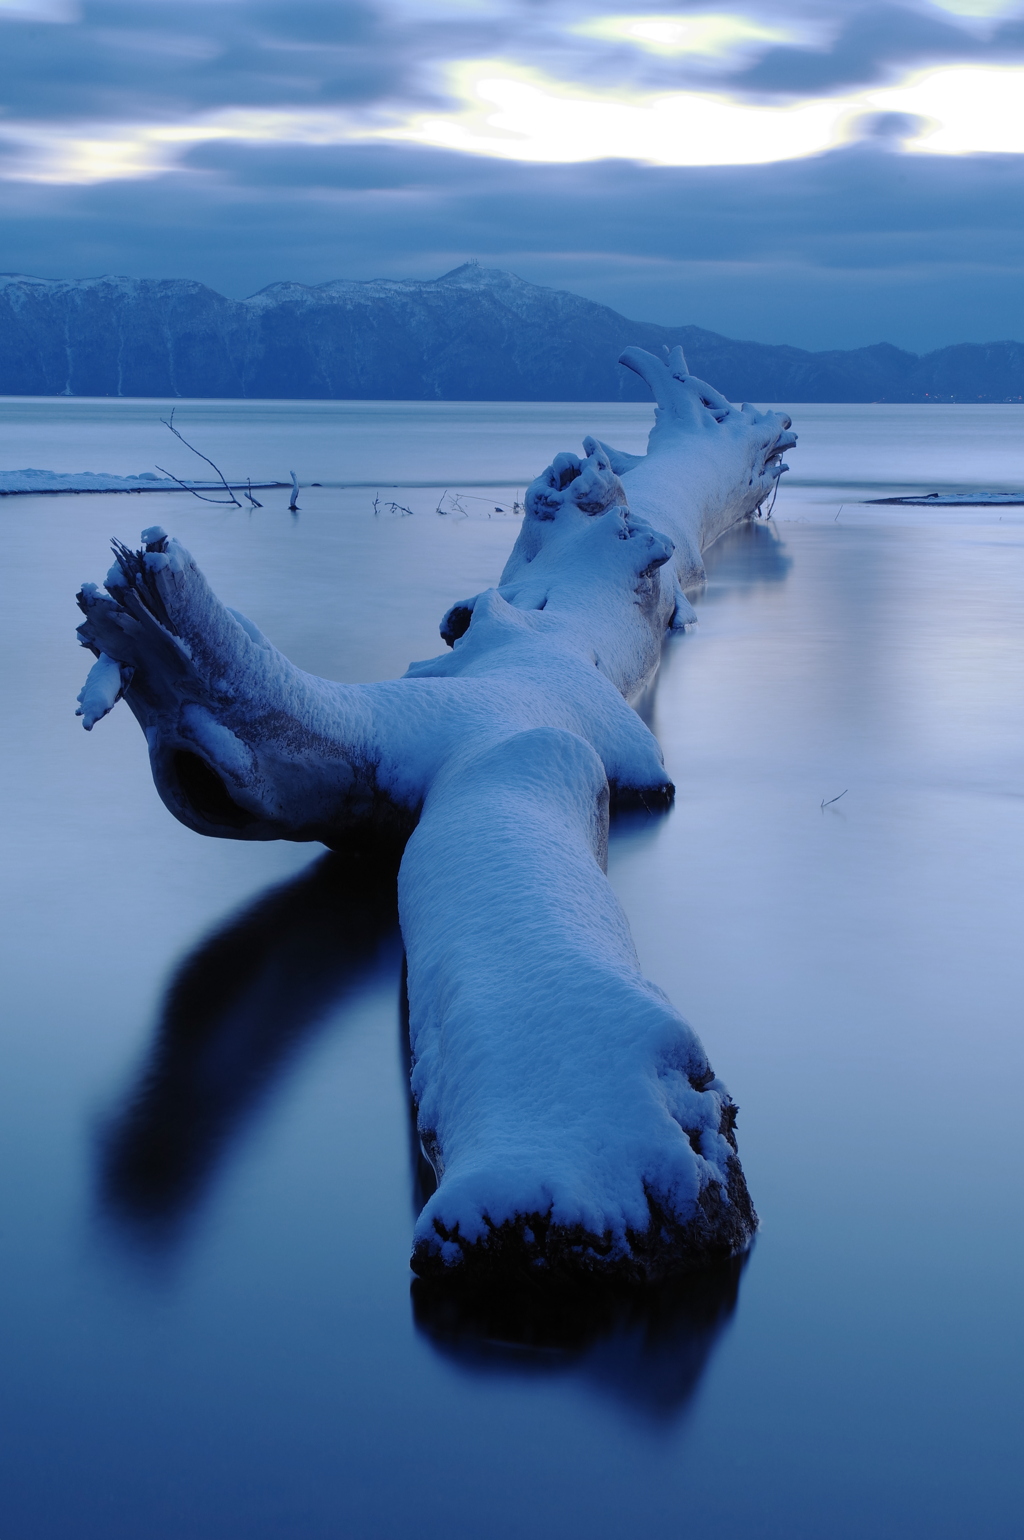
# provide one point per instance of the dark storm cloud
(833, 47)
(155, 58)
(843, 250)
(874, 43)
(892, 206)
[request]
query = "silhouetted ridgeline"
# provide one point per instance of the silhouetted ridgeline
(476, 334)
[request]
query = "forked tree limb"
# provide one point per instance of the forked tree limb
(168, 422)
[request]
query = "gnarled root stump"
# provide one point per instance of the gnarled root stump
(571, 1116)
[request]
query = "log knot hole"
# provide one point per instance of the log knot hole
(205, 792)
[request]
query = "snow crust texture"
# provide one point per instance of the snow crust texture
(570, 1114)
(12, 482)
(20, 483)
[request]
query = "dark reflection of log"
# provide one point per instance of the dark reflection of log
(750, 553)
(237, 1012)
(647, 1350)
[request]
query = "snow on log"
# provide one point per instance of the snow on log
(570, 1114)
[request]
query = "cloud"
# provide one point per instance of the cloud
(39, 10)
(521, 115)
(716, 34)
(968, 109)
(835, 173)
(515, 114)
(983, 8)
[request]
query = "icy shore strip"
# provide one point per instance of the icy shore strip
(569, 1112)
(954, 500)
(26, 482)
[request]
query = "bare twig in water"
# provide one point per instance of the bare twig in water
(836, 519)
(457, 504)
(293, 506)
(222, 502)
(248, 493)
(231, 498)
(762, 513)
(399, 508)
(830, 801)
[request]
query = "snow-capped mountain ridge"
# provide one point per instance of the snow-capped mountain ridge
(474, 333)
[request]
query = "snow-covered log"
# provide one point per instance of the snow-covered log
(570, 1114)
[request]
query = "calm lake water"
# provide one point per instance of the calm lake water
(207, 1193)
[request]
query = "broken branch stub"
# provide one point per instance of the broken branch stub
(569, 1112)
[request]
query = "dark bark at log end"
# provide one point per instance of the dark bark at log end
(641, 799)
(456, 623)
(530, 1250)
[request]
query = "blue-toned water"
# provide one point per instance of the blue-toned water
(206, 1183)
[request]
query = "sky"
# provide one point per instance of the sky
(821, 173)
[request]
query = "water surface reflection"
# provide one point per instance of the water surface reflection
(747, 556)
(238, 1011)
(648, 1350)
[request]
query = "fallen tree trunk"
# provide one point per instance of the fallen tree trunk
(571, 1116)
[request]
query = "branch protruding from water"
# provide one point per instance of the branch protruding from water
(231, 498)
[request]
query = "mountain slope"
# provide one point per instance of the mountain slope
(474, 334)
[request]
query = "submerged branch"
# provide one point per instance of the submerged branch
(231, 498)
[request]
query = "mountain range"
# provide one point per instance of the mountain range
(476, 334)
